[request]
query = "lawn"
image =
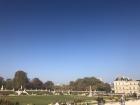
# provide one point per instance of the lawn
(45, 100)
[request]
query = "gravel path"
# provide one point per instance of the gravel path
(136, 102)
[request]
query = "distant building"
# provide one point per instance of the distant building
(126, 86)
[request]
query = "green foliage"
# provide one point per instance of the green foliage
(1, 81)
(45, 100)
(49, 85)
(37, 83)
(20, 79)
(39, 92)
(9, 84)
(5, 93)
(103, 87)
(85, 83)
(4, 101)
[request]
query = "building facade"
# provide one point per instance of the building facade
(124, 85)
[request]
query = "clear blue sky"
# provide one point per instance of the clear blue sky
(62, 40)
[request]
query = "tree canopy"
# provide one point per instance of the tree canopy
(49, 85)
(37, 83)
(20, 79)
(84, 84)
(9, 84)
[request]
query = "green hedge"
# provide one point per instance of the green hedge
(4, 101)
(6, 92)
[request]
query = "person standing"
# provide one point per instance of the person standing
(100, 101)
(122, 100)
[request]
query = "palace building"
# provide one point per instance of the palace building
(123, 85)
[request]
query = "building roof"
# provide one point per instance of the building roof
(123, 79)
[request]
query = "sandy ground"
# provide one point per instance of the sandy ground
(136, 102)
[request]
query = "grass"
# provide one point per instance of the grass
(45, 100)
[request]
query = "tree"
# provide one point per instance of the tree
(49, 85)
(20, 79)
(9, 84)
(107, 87)
(37, 83)
(1, 81)
(85, 83)
(29, 85)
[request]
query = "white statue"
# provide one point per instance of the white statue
(49, 90)
(2, 87)
(20, 92)
(56, 103)
(21, 87)
(25, 92)
(69, 92)
(90, 92)
(53, 92)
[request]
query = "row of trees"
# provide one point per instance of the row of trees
(21, 79)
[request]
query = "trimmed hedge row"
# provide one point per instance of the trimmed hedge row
(4, 101)
(5, 93)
